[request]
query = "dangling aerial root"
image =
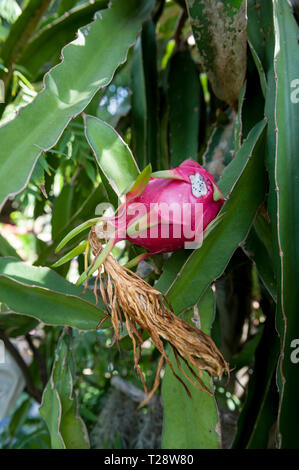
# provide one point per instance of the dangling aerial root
(127, 295)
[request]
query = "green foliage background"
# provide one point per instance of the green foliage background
(93, 94)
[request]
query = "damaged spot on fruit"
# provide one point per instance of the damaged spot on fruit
(199, 187)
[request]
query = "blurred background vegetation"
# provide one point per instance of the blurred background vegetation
(166, 108)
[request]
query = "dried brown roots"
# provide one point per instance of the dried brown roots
(127, 296)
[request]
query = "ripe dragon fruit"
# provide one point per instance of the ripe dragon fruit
(173, 209)
(125, 295)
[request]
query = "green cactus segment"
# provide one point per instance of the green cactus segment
(286, 177)
(68, 89)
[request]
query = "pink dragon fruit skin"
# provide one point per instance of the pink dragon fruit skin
(189, 183)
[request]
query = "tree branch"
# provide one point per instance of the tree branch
(40, 359)
(179, 28)
(131, 391)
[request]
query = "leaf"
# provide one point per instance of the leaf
(38, 174)
(112, 154)
(163, 161)
(145, 97)
(4, 30)
(83, 211)
(219, 30)
(238, 125)
(254, 100)
(258, 415)
(19, 417)
(44, 47)
(284, 170)
(78, 250)
(65, 5)
(69, 87)
(139, 184)
(256, 248)
(98, 262)
(10, 10)
(50, 410)
(73, 233)
(184, 101)
(190, 423)
(260, 31)
(21, 30)
(15, 324)
(6, 249)
(44, 295)
(168, 174)
(37, 439)
(244, 182)
(68, 430)
(259, 66)
(246, 356)
(62, 209)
